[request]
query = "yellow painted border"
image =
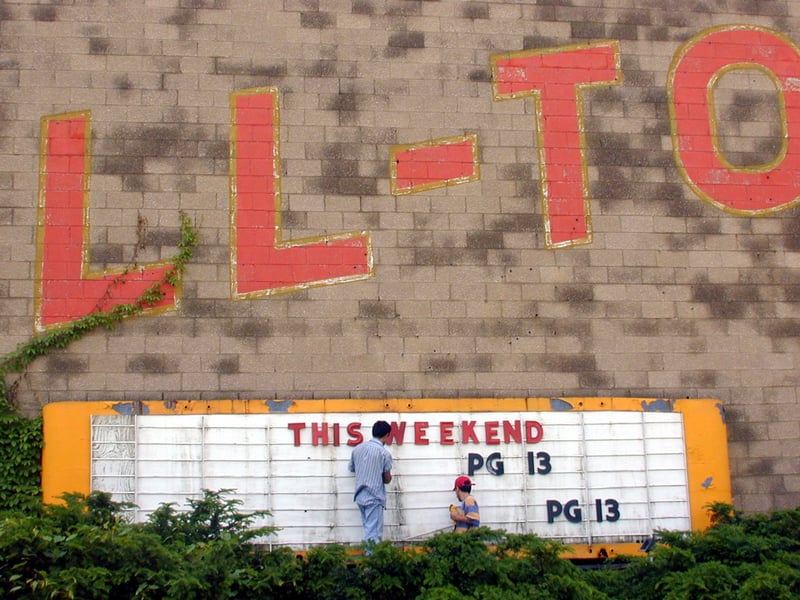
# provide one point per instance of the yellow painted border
(415, 189)
(86, 272)
(278, 240)
(540, 125)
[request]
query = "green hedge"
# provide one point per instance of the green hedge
(20, 460)
(86, 549)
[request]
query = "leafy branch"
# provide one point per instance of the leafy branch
(19, 359)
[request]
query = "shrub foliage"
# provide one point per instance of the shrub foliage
(85, 548)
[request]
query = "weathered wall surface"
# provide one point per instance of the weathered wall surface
(659, 286)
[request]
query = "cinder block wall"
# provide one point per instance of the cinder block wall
(466, 295)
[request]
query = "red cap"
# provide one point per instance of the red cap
(462, 482)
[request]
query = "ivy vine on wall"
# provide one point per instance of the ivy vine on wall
(21, 437)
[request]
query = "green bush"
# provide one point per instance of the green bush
(20, 458)
(85, 548)
(741, 557)
(776, 581)
(212, 517)
(486, 564)
(390, 572)
(82, 549)
(706, 581)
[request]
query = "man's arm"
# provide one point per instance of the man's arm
(472, 515)
(387, 466)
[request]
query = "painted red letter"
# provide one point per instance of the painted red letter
(262, 263)
(750, 190)
(554, 77)
(65, 288)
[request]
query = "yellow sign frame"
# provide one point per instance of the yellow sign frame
(66, 460)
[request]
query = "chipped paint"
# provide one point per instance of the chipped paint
(559, 404)
(659, 405)
(707, 482)
(279, 406)
(131, 408)
(721, 408)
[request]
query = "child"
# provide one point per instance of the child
(465, 516)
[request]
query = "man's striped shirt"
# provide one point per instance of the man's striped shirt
(369, 461)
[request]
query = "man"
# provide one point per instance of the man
(372, 464)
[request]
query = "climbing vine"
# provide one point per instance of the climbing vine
(21, 437)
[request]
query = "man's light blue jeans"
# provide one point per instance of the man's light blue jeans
(372, 519)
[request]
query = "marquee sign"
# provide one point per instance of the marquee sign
(601, 474)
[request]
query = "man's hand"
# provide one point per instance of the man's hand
(456, 514)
